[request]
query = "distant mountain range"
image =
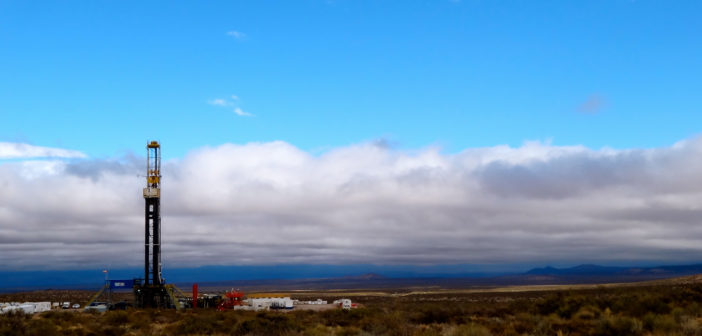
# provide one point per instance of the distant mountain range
(582, 274)
(596, 270)
(217, 278)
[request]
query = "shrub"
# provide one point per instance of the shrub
(690, 326)
(430, 316)
(588, 312)
(344, 318)
(199, 324)
(471, 330)
(59, 316)
(13, 323)
(694, 309)
(318, 330)
(524, 322)
(112, 330)
(640, 305)
(139, 320)
(268, 324)
(41, 327)
(391, 323)
(549, 304)
(618, 326)
(569, 306)
(659, 323)
(115, 318)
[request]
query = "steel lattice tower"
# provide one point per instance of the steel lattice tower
(152, 197)
(152, 292)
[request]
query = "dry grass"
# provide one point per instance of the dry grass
(655, 308)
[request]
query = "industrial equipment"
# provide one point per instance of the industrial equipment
(231, 299)
(152, 291)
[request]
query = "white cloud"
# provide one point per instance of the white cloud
(236, 34)
(9, 150)
(274, 203)
(219, 102)
(241, 113)
(230, 103)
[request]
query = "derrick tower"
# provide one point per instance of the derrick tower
(152, 292)
(152, 215)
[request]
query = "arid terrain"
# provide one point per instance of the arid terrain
(662, 307)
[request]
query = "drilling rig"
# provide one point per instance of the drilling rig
(152, 290)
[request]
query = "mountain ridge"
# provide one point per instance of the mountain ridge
(592, 270)
(223, 277)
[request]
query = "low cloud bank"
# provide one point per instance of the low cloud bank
(12, 150)
(267, 203)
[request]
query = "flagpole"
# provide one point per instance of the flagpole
(107, 284)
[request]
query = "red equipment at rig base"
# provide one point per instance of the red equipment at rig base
(194, 296)
(232, 298)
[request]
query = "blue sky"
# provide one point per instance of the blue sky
(519, 132)
(102, 77)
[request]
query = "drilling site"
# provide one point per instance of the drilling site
(543, 304)
(152, 291)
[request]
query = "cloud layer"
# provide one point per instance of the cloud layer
(10, 150)
(236, 34)
(263, 203)
(230, 102)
